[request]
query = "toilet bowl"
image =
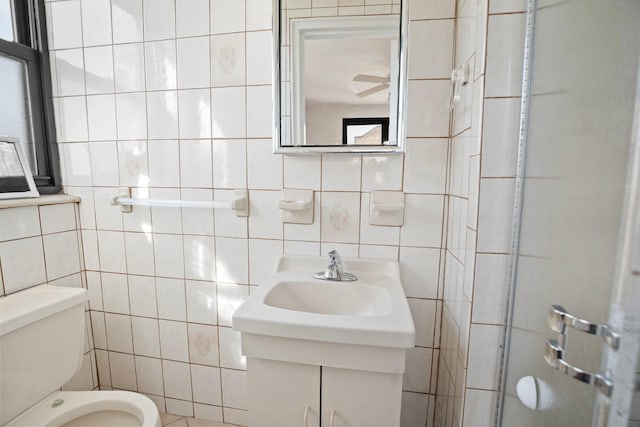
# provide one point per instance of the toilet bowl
(90, 408)
(41, 346)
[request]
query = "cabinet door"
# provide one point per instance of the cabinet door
(360, 398)
(281, 392)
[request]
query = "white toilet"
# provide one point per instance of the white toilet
(41, 342)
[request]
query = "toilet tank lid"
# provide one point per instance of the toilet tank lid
(24, 307)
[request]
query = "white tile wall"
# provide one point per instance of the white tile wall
(191, 117)
(41, 244)
(479, 211)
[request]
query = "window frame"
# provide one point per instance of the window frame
(31, 46)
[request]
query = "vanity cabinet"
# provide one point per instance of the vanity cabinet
(283, 394)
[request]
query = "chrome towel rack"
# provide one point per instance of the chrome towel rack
(239, 204)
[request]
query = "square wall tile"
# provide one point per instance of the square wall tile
(128, 63)
(142, 296)
(169, 256)
(57, 218)
(101, 113)
(131, 116)
(177, 380)
(203, 344)
(229, 164)
(159, 19)
(146, 338)
(484, 352)
(227, 224)
(436, 38)
(230, 349)
(115, 293)
(341, 173)
(171, 299)
(22, 263)
(201, 299)
(139, 248)
(126, 16)
(66, 24)
(230, 296)
(96, 22)
(194, 118)
(234, 388)
(259, 64)
(71, 119)
(419, 271)
(263, 255)
(193, 62)
(199, 257)
(112, 251)
(164, 163)
(196, 163)
(231, 260)
(192, 18)
(340, 217)
(18, 223)
(423, 220)
(206, 384)
(495, 215)
(303, 172)
(107, 216)
(228, 60)
(259, 111)
(149, 375)
(69, 68)
(264, 168)
(427, 119)
(173, 343)
(382, 173)
(228, 110)
(162, 114)
(160, 64)
(197, 221)
(166, 219)
(227, 16)
(425, 165)
(500, 137)
(265, 219)
(259, 14)
(123, 371)
(414, 409)
(119, 336)
(104, 164)
(504, 55)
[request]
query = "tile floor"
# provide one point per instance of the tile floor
(167, 420)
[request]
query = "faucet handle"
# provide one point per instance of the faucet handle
(334, 257)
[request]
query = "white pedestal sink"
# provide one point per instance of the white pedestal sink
(322, 353)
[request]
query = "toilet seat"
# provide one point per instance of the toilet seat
(76, 404)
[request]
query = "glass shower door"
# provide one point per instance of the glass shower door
(575, 189)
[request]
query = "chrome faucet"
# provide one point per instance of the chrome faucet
(334, 270)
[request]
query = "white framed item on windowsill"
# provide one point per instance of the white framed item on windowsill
(16, 180)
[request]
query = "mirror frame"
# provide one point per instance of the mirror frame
(403, 52)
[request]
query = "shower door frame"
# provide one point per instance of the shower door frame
(624, 312)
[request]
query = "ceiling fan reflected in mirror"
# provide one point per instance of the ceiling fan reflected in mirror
(383, 83)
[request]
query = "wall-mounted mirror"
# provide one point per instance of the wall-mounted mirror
(340, 76)
(15, 174)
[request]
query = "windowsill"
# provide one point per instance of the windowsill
(54, 199)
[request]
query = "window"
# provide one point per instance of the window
(26, 109)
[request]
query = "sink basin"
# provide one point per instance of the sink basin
(329, 298)
(371, 311)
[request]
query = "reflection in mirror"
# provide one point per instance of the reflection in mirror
(341, 78)
(15, 176)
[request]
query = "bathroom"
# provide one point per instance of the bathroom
(173, 99)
